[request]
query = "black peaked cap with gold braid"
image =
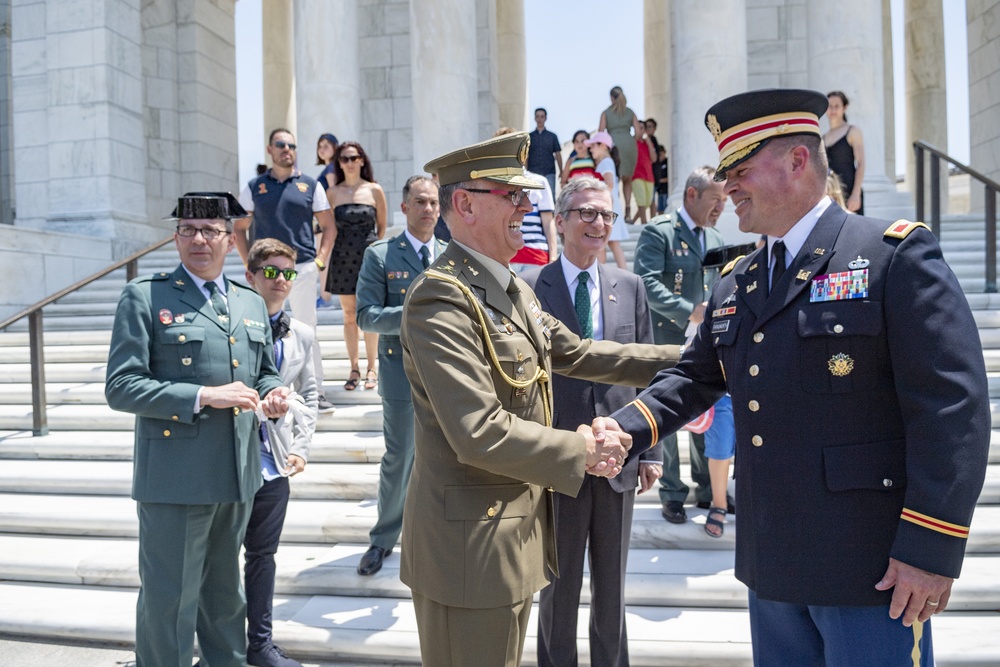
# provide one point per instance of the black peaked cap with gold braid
(742, 124)
(500, 159)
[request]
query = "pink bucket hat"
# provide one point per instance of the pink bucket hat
(600, 138)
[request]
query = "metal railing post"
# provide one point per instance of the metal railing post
(990, 209)
(918, 182)
(36, 343)
(936, 195)
(132, 270)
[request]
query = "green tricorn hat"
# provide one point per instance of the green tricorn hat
(500, 159)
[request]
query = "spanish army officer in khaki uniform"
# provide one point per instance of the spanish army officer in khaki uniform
(479, 352)
(191, 357)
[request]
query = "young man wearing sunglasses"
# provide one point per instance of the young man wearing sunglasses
(282, 202)
(271, 271)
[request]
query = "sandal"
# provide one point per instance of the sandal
(371, 379)
(715, 523)
(353, 380)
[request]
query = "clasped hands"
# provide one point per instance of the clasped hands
(607, 446)
(238, 395)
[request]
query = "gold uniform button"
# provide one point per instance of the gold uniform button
(175, 418)
(402, 291)
(758, 337)
(232, 340)
(182, 338)
(491, 512)
(754, 406)
(236, 411)
(166, 433)
(754, 370)
(236, 363)
(838, 328)
(757, 441)
(390, 350)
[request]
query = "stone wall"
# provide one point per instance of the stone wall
(777, 56)
(983, 18)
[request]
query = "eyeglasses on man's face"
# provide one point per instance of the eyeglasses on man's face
(591, 215)
(515, 197)
(282, 145)
(272, 272)
(344, 159)
(207, 233)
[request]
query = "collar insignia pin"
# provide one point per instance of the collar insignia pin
(803, 275)
(751, 287)
(819, 251)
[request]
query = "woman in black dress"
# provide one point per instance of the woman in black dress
(845, 149)
(360, 209)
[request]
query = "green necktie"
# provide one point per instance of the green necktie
(425, 256)
(583, 306)
(218, 303)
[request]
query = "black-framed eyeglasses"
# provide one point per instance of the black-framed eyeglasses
(272, 272)
(591, 214)
(282, 145)
(515, 197)
(344, 159)
(207, 233)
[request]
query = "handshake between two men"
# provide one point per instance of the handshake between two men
(607, 446)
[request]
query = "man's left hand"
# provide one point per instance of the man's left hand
(648, 474)
(274, 404)
(919, 594)
(295, 465)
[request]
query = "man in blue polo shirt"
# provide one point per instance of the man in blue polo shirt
(544, 152)
(282, 202)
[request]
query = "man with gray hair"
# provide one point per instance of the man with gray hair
(668, 258)
(602, 302)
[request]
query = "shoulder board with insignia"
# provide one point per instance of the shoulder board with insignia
(729, 267)
(902, 228)
(156, 276)
(385, 241)
(240, 284)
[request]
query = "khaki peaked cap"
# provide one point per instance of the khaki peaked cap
(500, 159)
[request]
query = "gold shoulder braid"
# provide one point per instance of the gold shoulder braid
(541, 377)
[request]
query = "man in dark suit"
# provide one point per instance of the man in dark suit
(271, 271)
(388, 268)
(191, 357)
(668, 258)
(859, 395)
(601, 302)
(479, 351)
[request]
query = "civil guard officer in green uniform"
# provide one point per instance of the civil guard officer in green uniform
(191, 357)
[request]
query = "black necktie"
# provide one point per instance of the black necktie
(425, 256)
(218, 303)
(777, 263)
(697, 237)
(582, 303)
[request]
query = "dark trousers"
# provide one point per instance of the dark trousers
(599, 522)
(263, 532)
(671, 486)
(394, 472)
(189, 566)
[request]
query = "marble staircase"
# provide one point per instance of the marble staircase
(67, 524)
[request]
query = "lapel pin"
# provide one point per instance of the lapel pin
(859, 263)
(179, 283)
(753, 268)
(803, 275)
(819, 251)
(612, 297)
(751, 287)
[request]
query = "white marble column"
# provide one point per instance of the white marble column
(709, 64)
(656, 61)
(889, 95)
(327, 72)
(278, 50)
(444, 80)
(845, 53)
(513, 76)
(926, 101)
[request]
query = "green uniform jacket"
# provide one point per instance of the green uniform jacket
(167, 342)
(668, 260)
(477, 524)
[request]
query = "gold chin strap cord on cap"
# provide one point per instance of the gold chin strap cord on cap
(541, 377)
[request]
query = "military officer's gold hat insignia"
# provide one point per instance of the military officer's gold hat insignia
(500, 159)
(840, 365)
(713, 126)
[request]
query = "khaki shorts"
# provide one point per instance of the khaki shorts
(643, 192)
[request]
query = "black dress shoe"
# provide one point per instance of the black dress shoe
(730, 504)
(673, 511)
(271, 655)
(371, 562)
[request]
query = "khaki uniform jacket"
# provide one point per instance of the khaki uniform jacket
(477, 525)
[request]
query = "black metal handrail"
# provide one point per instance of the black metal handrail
(36, 342)
(991, 189)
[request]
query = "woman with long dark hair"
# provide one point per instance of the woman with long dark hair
(845, 149)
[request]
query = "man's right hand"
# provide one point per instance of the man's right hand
(607, 446)
(232, 395)
(698, 314)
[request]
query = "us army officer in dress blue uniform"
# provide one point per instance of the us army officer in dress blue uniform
(387, 270)
(859, 396)
(668, 258)
(191, 357)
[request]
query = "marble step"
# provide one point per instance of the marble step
(657, 577)
(103, 418)
(331, 481)
(325, 332)
(92, 393)
(334, 521)
(376, 630)
(328, 446)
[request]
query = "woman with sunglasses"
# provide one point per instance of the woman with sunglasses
(360, 209)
